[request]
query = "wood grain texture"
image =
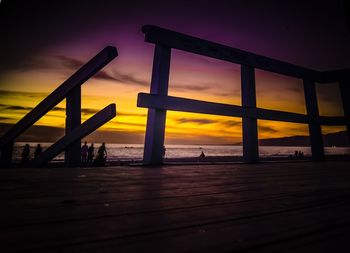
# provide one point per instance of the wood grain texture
(270, 207)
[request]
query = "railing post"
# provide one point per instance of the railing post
(249, 124)
(344, 86)
(73, 120)
(314, 122)
(155, 130)
(6, 154)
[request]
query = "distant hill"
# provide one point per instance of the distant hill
(339, 139)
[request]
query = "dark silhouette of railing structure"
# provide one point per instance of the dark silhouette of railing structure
(74, 131)
(158, 101)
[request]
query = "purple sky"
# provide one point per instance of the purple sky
(309, 33)
(43, 42)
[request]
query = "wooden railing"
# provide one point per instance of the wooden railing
(71, 90)
(159, 102)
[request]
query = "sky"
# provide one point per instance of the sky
(44, 42)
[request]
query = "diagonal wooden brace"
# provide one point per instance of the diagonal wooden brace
(90, 125)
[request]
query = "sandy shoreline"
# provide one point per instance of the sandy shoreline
(224, 159)
(197, 160)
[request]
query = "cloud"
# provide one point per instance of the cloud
(103, 75)
(229, 93)
(209, 87)
(131, 114)
(89, 111)
(187, 87)
(267, 129)
(4, 118)
(195, 121)
(71, 63)
(21, 93)
(130, 124)
(231, 123)
(57, 109)
(295, 90)
(131, 79)
(75, 64)
(37, 133)
(18, 108)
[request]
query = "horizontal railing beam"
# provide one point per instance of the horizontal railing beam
(187, 105)
(275, 115)
(333, 121)
(157, 35)
(196, 106)
(334, 76)
(90, 125)
(78, 78)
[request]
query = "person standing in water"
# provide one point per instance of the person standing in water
(91, 153)
(101, 156)
(84, 153)
(38, 150)
(25, 154)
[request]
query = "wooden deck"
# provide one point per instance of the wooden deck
(270, 207)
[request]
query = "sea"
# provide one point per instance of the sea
(134, 152)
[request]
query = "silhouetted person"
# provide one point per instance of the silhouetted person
(101, 156)
(84, 153)
(202, 155)
(301, 154)
(25, 154)
(91, 153)
(38, 150)
(296, 154)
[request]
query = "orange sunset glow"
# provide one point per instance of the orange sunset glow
(42, 65)
(203, 79)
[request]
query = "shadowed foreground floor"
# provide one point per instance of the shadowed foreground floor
(271, 207)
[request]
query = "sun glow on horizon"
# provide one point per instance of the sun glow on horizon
(191, 76)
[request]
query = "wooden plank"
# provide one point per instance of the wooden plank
(334, 75)
(240, 235)
(227, 215)
(155, 128)
(157, 35)
(78, 78)
(275, 115)
(125, 189)
(191, 105)
(208, 211)
(333, 121)
(249, 124)
(314, 124)
(129, 185)
(153, 216)
(73, 120)
(54, 210)
(90, 125)
(187, 105)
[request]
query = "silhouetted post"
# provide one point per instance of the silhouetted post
(344, 86)
(90, 125)
(68, 88)
(249, 124)
(6, 154)
(155, 130)
(73, 120)
(314, 122)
